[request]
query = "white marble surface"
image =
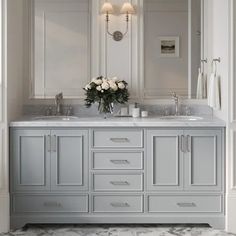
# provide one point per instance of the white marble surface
(118, 122)
(109, 230)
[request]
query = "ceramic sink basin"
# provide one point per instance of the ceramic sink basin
(56, 118)
(183, 118)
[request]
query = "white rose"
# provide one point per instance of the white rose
(115, 79)
(98, 82)
(99, 88)
(121, 85)
(104, 80)
(113, 85)
(87, 87)
(105, 86)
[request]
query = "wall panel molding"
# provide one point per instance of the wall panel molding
(120, 58)
(62, 64)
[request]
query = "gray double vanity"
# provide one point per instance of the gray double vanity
(164, 168)
(118, 170)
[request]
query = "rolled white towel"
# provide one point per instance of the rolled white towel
(214, 99)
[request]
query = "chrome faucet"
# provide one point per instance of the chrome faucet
(58, 102)
(176, 100)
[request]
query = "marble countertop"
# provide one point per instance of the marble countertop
(118, 122)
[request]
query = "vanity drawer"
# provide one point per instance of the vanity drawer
(178, 204)
(116, 204)
(118, 160)
(118, 182)
(118, 138)
(49, 204)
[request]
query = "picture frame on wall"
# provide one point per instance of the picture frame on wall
(169, 46)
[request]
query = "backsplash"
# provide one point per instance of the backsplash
(154, 110)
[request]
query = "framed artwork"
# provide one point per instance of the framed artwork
(169, 46)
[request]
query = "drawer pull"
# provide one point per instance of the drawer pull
(119, 140)
(119, 204)
(189, 143)
(119, 182)
(52, 204)
(119, 162)
(48, 143)
(186, 204)
(54, 143)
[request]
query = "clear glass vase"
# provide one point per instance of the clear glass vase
(105, 108)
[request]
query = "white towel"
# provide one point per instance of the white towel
(205, 87)
(201, 85)
(214, 92)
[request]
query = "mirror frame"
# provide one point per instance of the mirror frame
(204, 55)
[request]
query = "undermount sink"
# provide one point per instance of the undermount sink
(56, 118)
(184, 118)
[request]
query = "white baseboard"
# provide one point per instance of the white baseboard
(231, 213)
(4, 212)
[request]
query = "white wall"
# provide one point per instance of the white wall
(223, 45)
(219, 47)
(13, 71)
(231, 129)
(15, 62)
(4, 192)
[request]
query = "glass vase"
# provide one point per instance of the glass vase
(105, 108)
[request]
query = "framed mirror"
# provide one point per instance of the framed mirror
(173, 48)
(60, 47)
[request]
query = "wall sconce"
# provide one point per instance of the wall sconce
(108, 9)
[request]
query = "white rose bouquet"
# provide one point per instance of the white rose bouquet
(106, 92)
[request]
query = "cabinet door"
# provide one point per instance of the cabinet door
(69, 158)
(165, 160)
(30, 158)
(203, 160)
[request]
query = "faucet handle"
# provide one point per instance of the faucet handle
(59, 96)
(49, 111)
(69, 111)
(174, 95)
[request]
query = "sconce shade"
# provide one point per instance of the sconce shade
(127, 8)
(107, 8)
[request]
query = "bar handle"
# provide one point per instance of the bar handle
(54, 143)
(119, 162)
(189, 143)
(186, 204)
(119, 204)
(121, 183)
(52, 204)
(182, 144)
(119, 140)
(48, 143)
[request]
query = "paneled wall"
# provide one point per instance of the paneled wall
(120, 58)
(231, 131)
